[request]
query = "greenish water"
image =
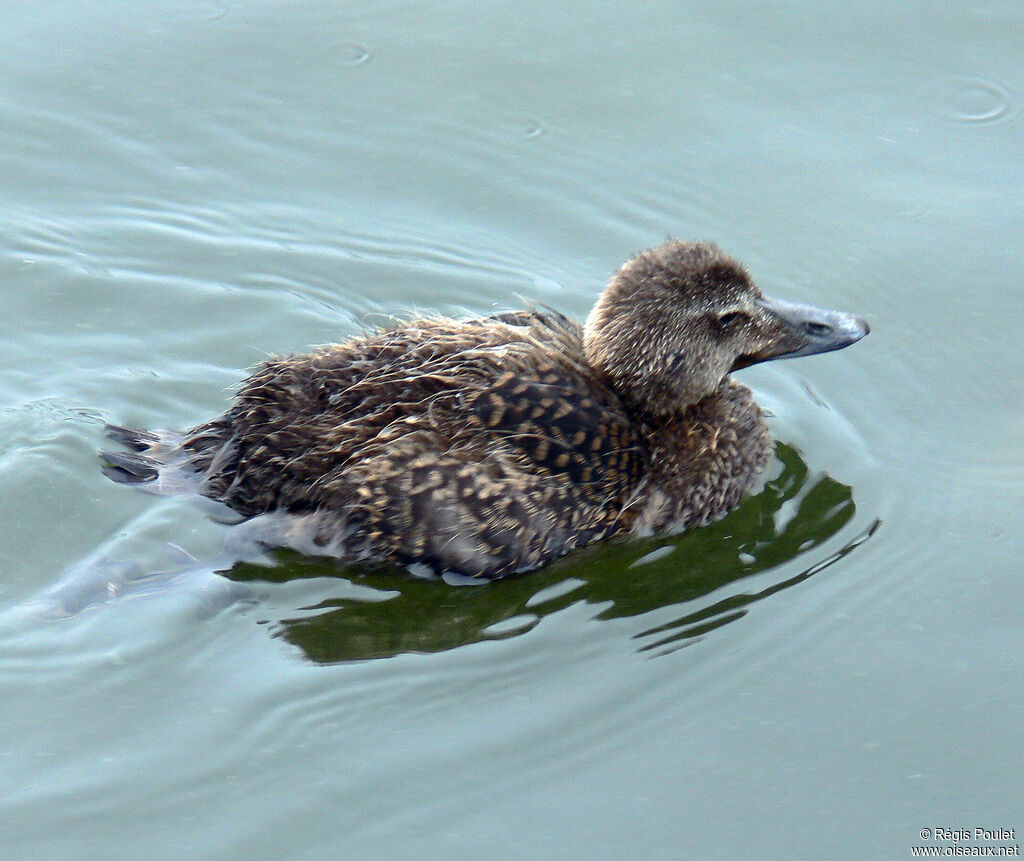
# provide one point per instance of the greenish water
(827, 671)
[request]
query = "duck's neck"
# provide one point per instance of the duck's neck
(703, 461)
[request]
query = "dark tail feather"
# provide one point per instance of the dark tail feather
(128, 468)
(134, 438)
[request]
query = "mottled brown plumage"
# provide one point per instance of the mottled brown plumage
(491, 446)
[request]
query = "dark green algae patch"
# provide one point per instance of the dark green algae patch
(795, 513)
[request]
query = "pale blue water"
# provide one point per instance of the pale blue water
(834, 667)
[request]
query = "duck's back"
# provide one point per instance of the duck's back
(481, 447)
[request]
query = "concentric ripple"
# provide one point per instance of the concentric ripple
(965, 99)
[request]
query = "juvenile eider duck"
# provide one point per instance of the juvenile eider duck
(491, 446)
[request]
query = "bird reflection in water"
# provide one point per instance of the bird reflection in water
(796, 513)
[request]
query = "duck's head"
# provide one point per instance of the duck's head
(675, 321)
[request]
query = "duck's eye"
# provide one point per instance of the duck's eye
(731, 319)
